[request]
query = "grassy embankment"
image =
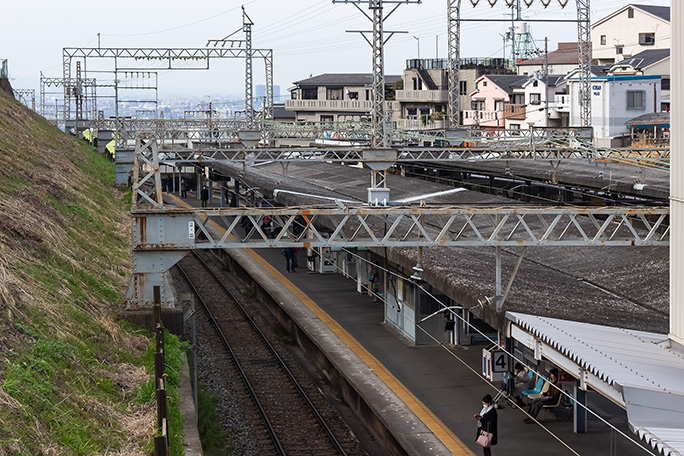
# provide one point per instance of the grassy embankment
(70, 373)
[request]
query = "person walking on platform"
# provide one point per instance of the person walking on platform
(373, 283)
(204, 196)
(289, 254)
(184, 188)
(486, 425)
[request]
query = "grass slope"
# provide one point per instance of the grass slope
(68, 370)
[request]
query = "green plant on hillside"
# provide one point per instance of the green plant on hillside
(68, 369)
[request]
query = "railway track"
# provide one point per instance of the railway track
(288, 414)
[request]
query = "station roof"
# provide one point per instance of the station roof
(652, 118)
(643, 372)
(629, 285)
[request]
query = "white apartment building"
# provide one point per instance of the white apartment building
(629, 31)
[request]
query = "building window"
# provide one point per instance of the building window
(412, 111)
(293, 95)
(619, 49)
(463, 87)
(484, 83)
(367, 94)
(327, 119)
(630, 13)
(310, 94)
(636, 99)
(535, 84)
(535, 98)
(477, 105)
(603, 40)
(499, 105)
(353, 95)
(647, 39)
(334, 93)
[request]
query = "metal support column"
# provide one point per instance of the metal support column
(584, 41)
(249, 100)
(379, 138)
(454, 63)
(580, 410)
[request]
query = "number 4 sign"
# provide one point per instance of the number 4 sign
(500, 361)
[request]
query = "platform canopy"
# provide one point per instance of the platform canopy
(638, 370)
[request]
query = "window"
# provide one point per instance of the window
(477, 105)
(603, 40)
(535, 98)
(619, 49)
(636, 99)
(463, 87)
(630, 13)
(293, 95)
(415, 83)
(499, 105)
(535, 83)
(334, 93)
(367, 94)
(353, 95)
(647, 39)
(327, 119)
(484, 83)
(310, 94)
(412, 111)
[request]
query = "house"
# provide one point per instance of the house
(630, 30)
(424, 95)
(495, 98)
(650, 62)
(545, 104)
(338, 98)
(615, 99)
(561, 61)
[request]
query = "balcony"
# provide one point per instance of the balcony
(562, 103)
(484, 118)
(515, 112)
(422, 96)
(329, 105)
(417, 124)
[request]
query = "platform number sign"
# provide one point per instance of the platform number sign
(500, 361)
(191, 229)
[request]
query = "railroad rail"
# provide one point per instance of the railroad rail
(272, 386)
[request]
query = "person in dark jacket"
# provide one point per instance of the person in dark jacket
(289, 254)
(486, 421)
(205, 196)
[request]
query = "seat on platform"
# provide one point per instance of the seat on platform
(537, 388)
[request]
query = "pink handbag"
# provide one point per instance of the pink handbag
(485, 439)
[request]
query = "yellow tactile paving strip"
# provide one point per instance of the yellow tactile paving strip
(439, 429)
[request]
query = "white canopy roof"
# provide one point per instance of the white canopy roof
(644, 372)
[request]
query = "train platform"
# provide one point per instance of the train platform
(426, 395)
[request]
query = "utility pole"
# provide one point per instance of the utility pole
(249, 101)
(546, 81)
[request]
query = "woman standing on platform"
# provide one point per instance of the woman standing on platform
(486, 425)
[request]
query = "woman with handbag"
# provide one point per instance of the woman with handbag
(486, 425)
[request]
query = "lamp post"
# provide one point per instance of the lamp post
(418, 40)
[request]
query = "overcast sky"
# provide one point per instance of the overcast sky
(308, 36)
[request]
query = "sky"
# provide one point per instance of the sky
(308, 37)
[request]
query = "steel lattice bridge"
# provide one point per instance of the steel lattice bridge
(163, 234)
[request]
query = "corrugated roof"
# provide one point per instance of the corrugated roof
(652, 118)
(635, 362)
(345, 79)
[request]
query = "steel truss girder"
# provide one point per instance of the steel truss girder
(374, 226)
(643, 157)
(584, 41)
(168, 55)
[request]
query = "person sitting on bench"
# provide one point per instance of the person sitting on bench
(549, 397)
